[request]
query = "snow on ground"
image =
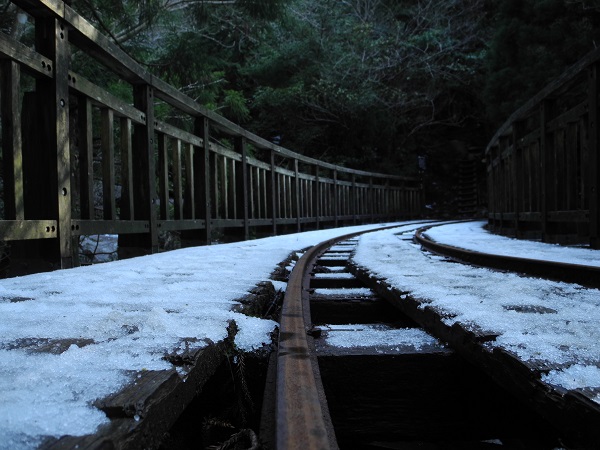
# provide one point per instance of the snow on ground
(539, 320)
(117, 318)
(377, 335)
(124, 316)
(472, 236)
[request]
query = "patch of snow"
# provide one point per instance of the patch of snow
(367, 335)
(344, 291)
(119, 318)
(574, 377)
(539, 320)
(340, 275)
(473, 236)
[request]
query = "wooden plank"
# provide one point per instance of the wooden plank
(52, 41)
(12, 155)
(104, 99)
(135, 399)
(335, 197)
(150, 404)
(202, 180)
(16, 230)
(252, 193)
(190, 194)
(185, 224)
(127, 205)
(593, 155)
(30, 61)
(243, 194)
(272, 189)
(163, 177)
(297, 195)
(108, 165)
(86, 157)
(582, 216)
(545, 153)
(223, 185)
(571, 143)
(517, 174)
(177, 133)
(317, 197)
(85, 227)
(177, 178)
(144, 171)
(264, 193)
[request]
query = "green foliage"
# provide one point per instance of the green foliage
(234, 106)
(534, 41)
(359, 80)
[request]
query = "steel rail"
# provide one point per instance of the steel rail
(588, 276)
(302, 421)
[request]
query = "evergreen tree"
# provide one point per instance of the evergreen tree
(533, 42)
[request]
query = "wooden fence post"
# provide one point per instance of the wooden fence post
(543, 168)
(163, 177)
(86, 158)
(335, 198)
(202, 166)
(317, 198)
(53, 96)
(108, 165)
(371, 200)
(272, 208)
(594, 156)
(517, 176)
(11, 140)
(144, 177)
(127, 211)
(353, 200)
(242, 184)
(297, 195)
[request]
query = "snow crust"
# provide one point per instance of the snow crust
(115, 319)
(472, 236)
(337, 275)
(367, 335)
(363, 292)
(541, 321)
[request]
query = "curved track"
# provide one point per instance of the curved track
(588, 276)
(302, 414)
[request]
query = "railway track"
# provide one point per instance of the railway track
(360, 366)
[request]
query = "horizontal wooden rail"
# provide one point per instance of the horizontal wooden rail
(78, 160)
(542, 164)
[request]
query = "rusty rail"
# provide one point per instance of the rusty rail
(67, 137)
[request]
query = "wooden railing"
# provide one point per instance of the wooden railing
(543, 171)
(58, 128)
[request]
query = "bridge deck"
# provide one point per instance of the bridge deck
(72, 340)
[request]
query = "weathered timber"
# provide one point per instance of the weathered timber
(543, 164)
(150, 404)
(577, 420)
(203, 179)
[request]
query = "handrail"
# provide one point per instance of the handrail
(84, 35)
(543, 174)
(154, 176)
(566, 77)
